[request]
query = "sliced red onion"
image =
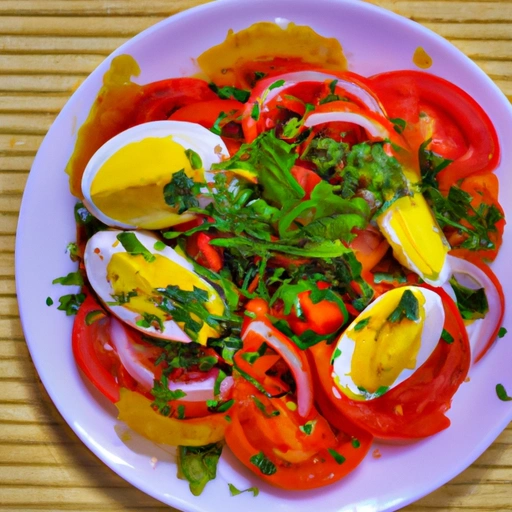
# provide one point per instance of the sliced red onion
(301, 374)
(198, 390)
(482, 331)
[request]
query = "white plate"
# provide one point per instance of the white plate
(374, 40)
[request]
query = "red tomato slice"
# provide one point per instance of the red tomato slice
(300, 452)
(88, 343)
(483, 189)
(160, 99)
(413, 409)
(459, 127)
(206, 113)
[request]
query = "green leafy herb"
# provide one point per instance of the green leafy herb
(228, 93)
(336, 456)
(362, 324)
(85, 219)
(181, 192)
(162, 395)
(235, 492)
(265, 465)
(386, 277)
(255, 111)
(502, 393)
(472, 303)
(408, 307)
(122, 298)
(94, 316)
(73, 278)
(216, 128)
(276, 84)
(356, 443)
(431, 165)
(308, 427)
(326, 153)
(159, 246)
(447, 337)
(264, 409)
(502, 332)
(133, 246)
(194, 159)
(73, 251)
(148, 320)
(71, 303)
(399, 124)
(180, 412)
(369, 395)
(49, 301)
(198, 465)
(335, 355)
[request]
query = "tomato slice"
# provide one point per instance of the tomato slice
(286, 449)
(88, 342)
(413, 409)
(483, 188)
(435, 108)
(206, 113)
(160, 99)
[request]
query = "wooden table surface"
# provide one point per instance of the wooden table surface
(47, 47)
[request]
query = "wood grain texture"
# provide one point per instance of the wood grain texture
(47, 48)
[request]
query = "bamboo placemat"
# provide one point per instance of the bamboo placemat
(47, 47)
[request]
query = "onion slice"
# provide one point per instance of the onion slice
(129, 351)
(483, 331)
(294, 358)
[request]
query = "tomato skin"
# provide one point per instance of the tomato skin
(160, 99)
(405, 94)
(86, 350)
(306, 178)
(413, 409)
(198, 246)
(302, 461)
(206, 113)
(484, 189)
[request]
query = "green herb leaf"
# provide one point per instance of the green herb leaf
(228, 93)
(502, 332)
(71, 303)
(308, 427)
(133, 246)
(264, 409)
(159, 246)
(216, 128)
(235, 492)
(447, 337)
(408, 307)
(73, 278)
(265, 465)
(336, 456)
(399, 124)
(162, 395)
(181, 192)
(472, 303)
(255, 111)
(194, 159)
(335, 355)
(356, 443)
(94, 316)
(502, 393)
(49, 301)
(198, 465)
(148, 320)
(276, 84)
(362, 324)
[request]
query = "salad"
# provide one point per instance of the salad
(283, 257)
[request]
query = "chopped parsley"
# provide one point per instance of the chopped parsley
(265, 465)
(181, 192)
(502, 393)
(235, 492)
(408, 308)
(133, 246)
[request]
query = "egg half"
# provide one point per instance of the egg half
(377, 352)
(417, 241)
(126, 281)
(123, 183)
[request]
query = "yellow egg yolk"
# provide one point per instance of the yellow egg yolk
(412, 231)
(128, 273)
(383, 349)
(129, 186)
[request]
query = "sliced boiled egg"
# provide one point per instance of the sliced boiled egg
(417, 241)
(387, 342)
(123, 183)
(126, 272)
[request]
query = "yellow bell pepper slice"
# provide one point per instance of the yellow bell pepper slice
(135, 410)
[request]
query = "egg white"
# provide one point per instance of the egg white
(430, 335)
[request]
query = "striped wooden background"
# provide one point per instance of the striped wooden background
(47, 47)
